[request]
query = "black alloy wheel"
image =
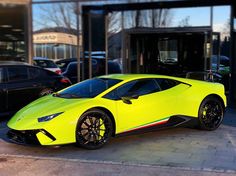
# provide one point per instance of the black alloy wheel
(94, 129)
(211, 113)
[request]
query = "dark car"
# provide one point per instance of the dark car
(21, 83)
(63, 63)
(97, 69)
(223, 64)
(205, 76)
(46, 64)
(223, 68)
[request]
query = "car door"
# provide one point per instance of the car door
(36, 80)
(147, 107)
(152, 103)
(3, 91)
(21, 89)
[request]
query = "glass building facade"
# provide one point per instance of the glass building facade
(138, 34)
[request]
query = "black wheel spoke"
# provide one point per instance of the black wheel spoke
(90, 120)
(85, 134)
(97, 121)
(82, 129)
(86, 124)
(101, 124)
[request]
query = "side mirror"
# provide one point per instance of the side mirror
(128, 99)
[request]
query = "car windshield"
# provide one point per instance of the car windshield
(88, 89)
(45, 63)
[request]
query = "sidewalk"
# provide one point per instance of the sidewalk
(35, 167)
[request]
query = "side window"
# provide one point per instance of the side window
(17, 73)
(138, 87)
(166, 83)
(34, 73)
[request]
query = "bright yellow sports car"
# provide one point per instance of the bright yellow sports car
(92, 111)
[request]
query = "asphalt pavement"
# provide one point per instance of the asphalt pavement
(177, 151)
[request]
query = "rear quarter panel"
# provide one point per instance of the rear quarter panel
(189, 101)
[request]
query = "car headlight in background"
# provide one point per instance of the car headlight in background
(49, 117)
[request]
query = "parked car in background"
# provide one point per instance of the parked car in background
(98, 69)
(223, 69)
(21, 83)
(46, 64)
(63, 63)
(205, 76)
(224, 64)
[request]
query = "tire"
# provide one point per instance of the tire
(211, 113)
(94, 129)
(45, 91)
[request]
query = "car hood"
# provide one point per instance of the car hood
(45, 106)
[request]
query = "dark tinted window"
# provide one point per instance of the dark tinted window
(166, 83)
(138, 87)
(34, 73)
(89, 88)
(17, 73)
(45, 63)
(112, 95)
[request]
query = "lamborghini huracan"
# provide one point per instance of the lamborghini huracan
(91, 112)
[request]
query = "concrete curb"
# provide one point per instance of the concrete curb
(122, 163)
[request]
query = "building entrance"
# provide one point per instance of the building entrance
(168, 52)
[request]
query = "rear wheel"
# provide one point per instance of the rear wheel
(211, 113)
(94, 129)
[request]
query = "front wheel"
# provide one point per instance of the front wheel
(211, 113)
(94, 129)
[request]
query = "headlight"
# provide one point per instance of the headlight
(49, 117)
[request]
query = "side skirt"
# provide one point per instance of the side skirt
(174, 121)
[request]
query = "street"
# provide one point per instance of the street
(177, 151)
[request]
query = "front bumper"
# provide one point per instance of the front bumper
(34, 137)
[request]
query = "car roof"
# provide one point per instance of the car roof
(66, 60)
(134, 76)
(42, 58)
(130, 77)
(13, 63)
